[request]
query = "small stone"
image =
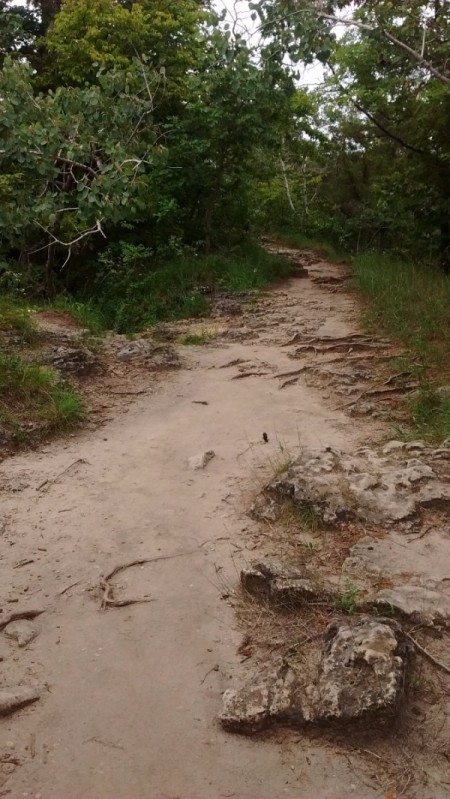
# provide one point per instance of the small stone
(200, 461)
(393, 446)
(22, 631)
(266, 698)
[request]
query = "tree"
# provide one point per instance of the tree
(77, 161)
(389, 90)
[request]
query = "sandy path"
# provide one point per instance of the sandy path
(133, 693)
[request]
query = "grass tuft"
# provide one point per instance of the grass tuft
(15, 316)
(196, 339)
(34, 394)
(85, 313)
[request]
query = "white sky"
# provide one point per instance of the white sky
(239, 15)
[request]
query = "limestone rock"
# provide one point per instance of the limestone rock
(361, 671)
(265, 509)
(263, 700)
(424, 603)
(22, 631)
(360, 674)
(369, 486)
(12, 699)
(150, 353)
(291, 592)
(71, 360)
(200, 461)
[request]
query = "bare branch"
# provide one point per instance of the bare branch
(97, 228)
(390, 36)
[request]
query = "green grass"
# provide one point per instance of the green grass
(408, 301)
(86, 313)
(34, 394)
(15, 316)
(196, 339)
(348, 601)
(411, 303)
(131, 299)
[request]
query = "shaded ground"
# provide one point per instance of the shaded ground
(130, 695)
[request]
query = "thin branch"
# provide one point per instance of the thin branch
(97, 228)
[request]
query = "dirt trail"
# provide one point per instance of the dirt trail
(130, 695)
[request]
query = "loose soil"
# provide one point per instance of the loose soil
(130, 693)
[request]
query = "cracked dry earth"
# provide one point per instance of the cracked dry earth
(130, 693)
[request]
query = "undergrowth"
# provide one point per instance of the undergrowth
(133, 290)
(412, 303)
(15, 317)
(32, 394)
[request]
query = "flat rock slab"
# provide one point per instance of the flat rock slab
(22, 631)
(360, 675)
(422, 602)
(373, 486)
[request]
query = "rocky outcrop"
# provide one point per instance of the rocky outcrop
(360, 675)
(71, 360)
(150, 353)
(372, 486)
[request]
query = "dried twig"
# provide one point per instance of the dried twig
(19, 614)
(248, 374)
(214, 668)
(65, 590)
(426, 654)
(24, 562)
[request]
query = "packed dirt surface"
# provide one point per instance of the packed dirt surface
(130, 667)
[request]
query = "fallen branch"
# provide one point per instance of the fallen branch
(424, 652)
(52, 480)
(19, 614)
